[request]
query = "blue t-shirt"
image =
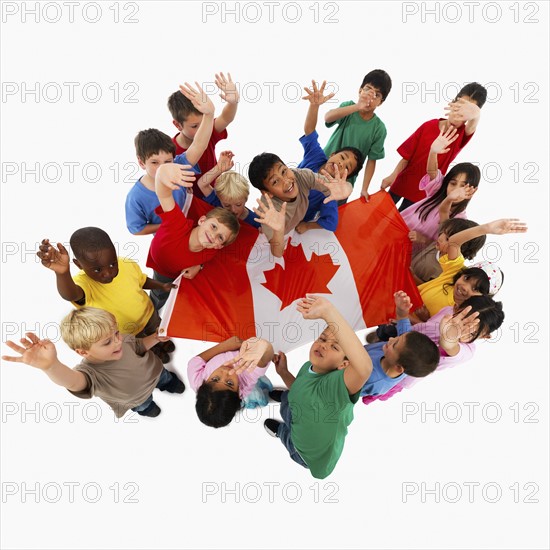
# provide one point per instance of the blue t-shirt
(213, 200)
(326, 215)
(379, 382)
(141, 202)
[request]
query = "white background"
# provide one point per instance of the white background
(169, 459)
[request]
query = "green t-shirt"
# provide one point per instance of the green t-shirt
(366, 135)
(322, 410)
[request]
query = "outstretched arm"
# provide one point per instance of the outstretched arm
(225, 163)
(230, 95)
(337, 185)
(168, 178)
(364, 102)
(468, 112)
(316, 98)
(360, 364)
(440, 146)
(42, 355)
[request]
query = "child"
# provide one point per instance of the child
(358, 125)
(179, 244)
(187, 118)
(290, 189)
(435, 294)
(447, 197)
(425, 264)
(220, 390)
(318, 408)
(118, 369)
(463, 115)
(106, 282)
(320, 215)
(407, 354)
(231, 191)
(154, 148)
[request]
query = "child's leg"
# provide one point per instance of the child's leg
(283, 433)
(162, 348)
(159, 297)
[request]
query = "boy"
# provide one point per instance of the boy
(231, 191)
(359, 126)
(409, 354)
(318, 408)
(290, 189)
(154, 148)
(186, 118)
(319, 215)
(464, 114)
(105, 281)
(118, 369)
(179, 244)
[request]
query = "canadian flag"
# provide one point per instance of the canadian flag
(245, 291)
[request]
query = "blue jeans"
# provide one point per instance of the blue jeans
(165, 377)
(283, 432)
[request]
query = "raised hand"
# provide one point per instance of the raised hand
(250, 354)
(313, 307)
(337, 185)
(55, 259)
(198, 98)
(225, 162)
(462, 193)
(506, 225)
(316, 95)
(441, 143)
(463, 109)
(454, 327)
(402, 304)
(228, 88)
(175, 176)
(40, 354)
(269, 215)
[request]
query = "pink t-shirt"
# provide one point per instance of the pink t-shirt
(198, 371)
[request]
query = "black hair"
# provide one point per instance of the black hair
(359, 157)
(473, 176)
(455, 225)
(475, 91)
(482, 279)
(216, 408)
(89, 240)
(420, 355)
(490, 316)
(260, 167)
(378, 79)
(151, 142)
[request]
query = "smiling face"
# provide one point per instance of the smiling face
(326, 353)
(212, 234)
(100, 266)
(107, 348)
(465, 287)
(344, 159)
(281, 183)
(221, 379)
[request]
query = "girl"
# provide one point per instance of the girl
(447, 197)
(222, 389)
(454, 330)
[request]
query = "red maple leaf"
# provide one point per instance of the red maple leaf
(300, 276)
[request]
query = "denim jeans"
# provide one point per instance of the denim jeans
(283, 432)
(165, 377)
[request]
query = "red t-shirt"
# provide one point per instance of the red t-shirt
(416, 150)
(208, 159)
(169, 252)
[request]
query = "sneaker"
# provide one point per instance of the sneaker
(168, 347)
(372, 337)
(174, 386)
(271, 426)
(276, 395)
(153, 410)
(161, 354)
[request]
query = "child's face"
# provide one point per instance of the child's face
(460, 180)
(281, 183)
(392, 349)
(326, 353)
(212, 234)
(151, 165)
(100, 266)
(221, 379)
(108, 348)
(373, 94)
(237, 206)
(442, 243)
(190, 125)
(465, 288)
(345, 160)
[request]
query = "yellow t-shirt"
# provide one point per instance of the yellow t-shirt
(433, 293)
(124, 297)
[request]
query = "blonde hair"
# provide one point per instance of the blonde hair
(85, 326)
(232, 186)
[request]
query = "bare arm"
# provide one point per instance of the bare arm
(401, 165)
(268, 215)
(369, 172)
(440, 146)
(168, 178)
(230, 95)
(149, 229)
(225, 163)
(316, 98)
(282, 369)
(231, 344)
